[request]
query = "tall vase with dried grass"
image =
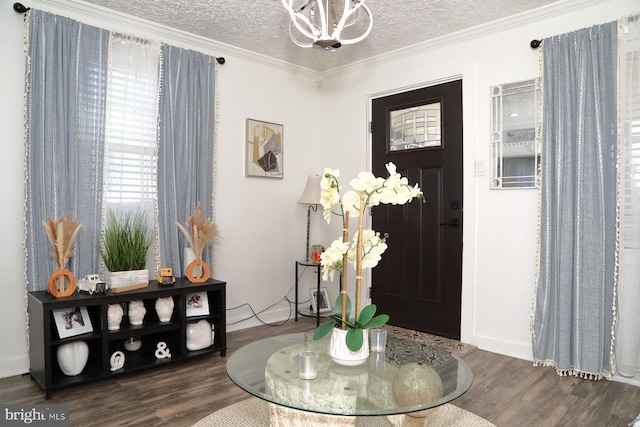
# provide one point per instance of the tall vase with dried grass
(62, 233)
(199, 233)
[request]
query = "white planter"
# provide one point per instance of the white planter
(119, 279)
(341, 354)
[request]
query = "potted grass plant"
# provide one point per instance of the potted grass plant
(349, 345)
(123, 249)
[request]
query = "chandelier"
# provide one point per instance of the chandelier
(323, 21)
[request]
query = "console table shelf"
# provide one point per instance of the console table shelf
(103, 343)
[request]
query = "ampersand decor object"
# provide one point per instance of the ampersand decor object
(162, 352)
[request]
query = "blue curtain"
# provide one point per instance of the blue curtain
(186, 148)
(573, 307)
(65, 112)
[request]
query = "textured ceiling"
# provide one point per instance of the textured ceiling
(261, 26)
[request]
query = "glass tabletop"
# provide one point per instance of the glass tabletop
(409, 376)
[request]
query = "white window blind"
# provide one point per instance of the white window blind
(131, 122)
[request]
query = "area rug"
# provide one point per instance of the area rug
(254, 412)
(454, 347)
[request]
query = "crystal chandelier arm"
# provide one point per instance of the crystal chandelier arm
(366, 33)
(298, 18)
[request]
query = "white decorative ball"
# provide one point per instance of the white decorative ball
(417, 384)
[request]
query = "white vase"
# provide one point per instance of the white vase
(341, 354)
(136, 312)
(72, 357)
(114, 316)
(164, 308)
(199, 335)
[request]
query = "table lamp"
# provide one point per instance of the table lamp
(310, 197)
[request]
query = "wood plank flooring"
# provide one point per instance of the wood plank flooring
(506, 391)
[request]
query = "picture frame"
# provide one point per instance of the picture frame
(72, 321)
(264, 144)
(197, 304)
(320, 301)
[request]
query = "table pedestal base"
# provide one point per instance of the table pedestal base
(286, 417)
(281, 416)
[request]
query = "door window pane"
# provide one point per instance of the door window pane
(415, 127)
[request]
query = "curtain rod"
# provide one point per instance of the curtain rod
(20, 8)
(535, 43)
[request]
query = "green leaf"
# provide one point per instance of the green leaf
(324, 329)
(367, 314)
(338, 310)
(354, 339)
(377, 321)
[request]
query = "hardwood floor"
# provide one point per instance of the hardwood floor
(506, 391)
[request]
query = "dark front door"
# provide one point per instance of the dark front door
(419, 280)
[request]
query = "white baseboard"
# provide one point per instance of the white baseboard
(236, 321)
(12, 367)
(506, 348)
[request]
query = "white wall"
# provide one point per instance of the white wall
(13, 351)
(500, 226)
(262, 227)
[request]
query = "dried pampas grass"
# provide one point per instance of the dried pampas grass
(62, 233)
(203, 231)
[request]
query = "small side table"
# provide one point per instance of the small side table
(308, 263)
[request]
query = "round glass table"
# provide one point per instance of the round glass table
(408, 377)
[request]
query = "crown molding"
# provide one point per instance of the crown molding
(497, 26)
(111, 20)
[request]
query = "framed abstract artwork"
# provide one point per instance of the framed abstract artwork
(264, 144)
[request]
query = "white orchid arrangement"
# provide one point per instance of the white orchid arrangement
(367, 247)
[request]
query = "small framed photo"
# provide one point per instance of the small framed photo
(264, 144)
(197, 304)
(72, 321)
(320, 301)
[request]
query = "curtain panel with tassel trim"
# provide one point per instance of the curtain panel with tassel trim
(573, 307)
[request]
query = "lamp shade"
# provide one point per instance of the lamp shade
(311, 193)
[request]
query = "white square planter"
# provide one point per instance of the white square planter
(125, 279)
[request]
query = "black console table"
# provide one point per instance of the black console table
(104, 343)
